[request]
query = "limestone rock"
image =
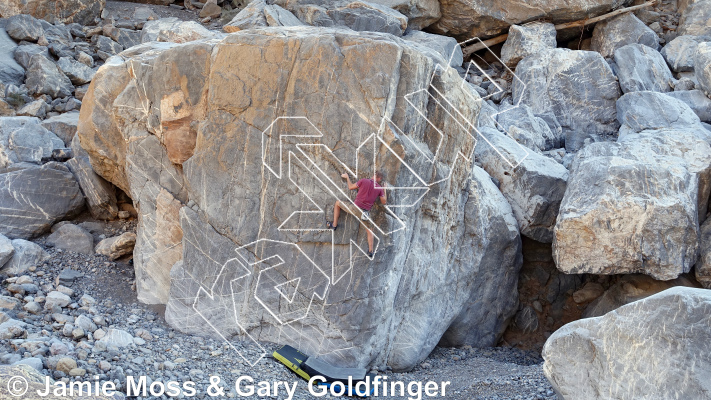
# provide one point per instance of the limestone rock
(472, 18)
(108, 45)
(6, 250)
(100, 195)
(23, 54)
(702, 268)
(63, 11)
(680, 52)
(278, 16)
(628, 289)
(33, 198)
(73, 238)
(446, 47)
(640, 67)
(696, 19)
(37, 109)
(635, 206)
(526, 40)
(118, 338)
(251, 16)
(622, 30)
(591, 358)
(639, 111)
(187, 148)
(23, 139)
(211, 10)
(45, 77)
(24, 27)
(420, 13)
(64, 126)
(10, 71)
(174, 30)
(697, 101)
(77, 72)
(27, 254)
(533, 184)
(117, 246)
(6, 109)
(575, 88)
(702, 63)
(531, 131)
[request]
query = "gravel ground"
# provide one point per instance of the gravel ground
(163, 354)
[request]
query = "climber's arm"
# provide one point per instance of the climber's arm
(383, 198)
(351, 186)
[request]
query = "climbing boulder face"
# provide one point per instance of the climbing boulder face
(65, 11)
(625, 29)
(576, 88)
(233, 159)
(634, 206)
(696, 19)
(591, 358)
(467, 19)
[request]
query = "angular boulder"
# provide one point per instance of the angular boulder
(699, 103)
(77, 72)
(635, 206)
(182, 158)
(525, 40)
(356, 15)
(174, 30)
(640, 67)
(252, 16)
(23, 139)
(45, 77)
(702, 269)
(63, 125)
(26, 255)
(639, 111)
(576, 88)
(696, 19)
(601, 358)
(24, 27)
(622, 30)
(446, 47)
(118, 246)
(10, 71)
(526, 128)
(680, 52)
(67, 11)
(702, 63)
(533, 184)
(72, 238)
(467, 19)
(33, 198)
(24, 53)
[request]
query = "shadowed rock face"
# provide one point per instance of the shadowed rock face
(592, 358)
(473, 18)
(206, 124)
(64, 11)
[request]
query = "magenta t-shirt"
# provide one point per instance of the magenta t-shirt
(367, 194)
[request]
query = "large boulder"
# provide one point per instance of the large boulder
(184, 158)
(640, 67)
(10, 71)
(24, 27)
(45, 77)
(526, 128)
(622, 30)
(680, 52)
(24, 53)
(634, 206)
(702, 63)
(639, 111)
(444, 46)
(697, 101)
(67, 11)
(26, 255)
(601, 358)
(72, 238)
(696, 19)
(533, 184)
(525, 40)
(63, 125)
(174, 30)
(23, 139)
(33, 198)
(472, 18)
(576, 88)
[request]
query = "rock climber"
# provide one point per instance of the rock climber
(369, 190)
